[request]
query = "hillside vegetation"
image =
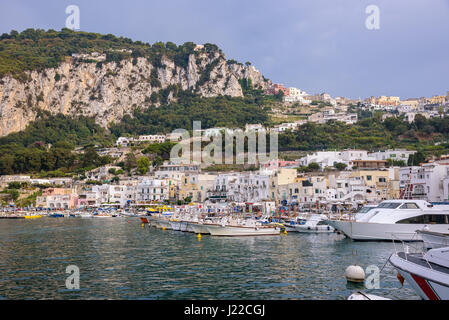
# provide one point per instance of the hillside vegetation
(38, 49)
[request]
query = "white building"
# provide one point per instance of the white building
(124, 141)
(296, 95)
(153, 138)
(240, 187)
(395, 154)
(285, 126)
(111, 194)
(329, 158)
(176, 171)
(152, 190)
(255, 127)
(428, 182)
(101, 173)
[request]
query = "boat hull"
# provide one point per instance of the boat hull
(428, 283)
(164, 224)
(175, 225)
(190, 227)
(369, 231)
(235, 231)
(199, 228)
(318, 229)
(434, 240)
(290, 228)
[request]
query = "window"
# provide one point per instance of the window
(365, 209)
(427, 219)
(389, 205)
(368, 178)
(409, 206)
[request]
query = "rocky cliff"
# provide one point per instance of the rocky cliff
(109, 90)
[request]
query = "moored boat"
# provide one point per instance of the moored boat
(199, 227)
(236, 230)
(365, 296)
(36, 216)
(250, 227)
(144, 220)
(427, 273)
(395, 219)
(56, 215)
(315, 224)
(433, 239)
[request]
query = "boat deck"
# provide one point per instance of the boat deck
(418, 259)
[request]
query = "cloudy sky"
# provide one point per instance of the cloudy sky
(318, 46)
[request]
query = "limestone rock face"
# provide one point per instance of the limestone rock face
(108, 91)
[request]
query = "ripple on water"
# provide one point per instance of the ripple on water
(121, 260)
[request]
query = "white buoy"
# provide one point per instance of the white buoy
(355, 273)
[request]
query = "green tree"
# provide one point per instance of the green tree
(143, 164)
(313, 166)
(340, 166)
(130, 161)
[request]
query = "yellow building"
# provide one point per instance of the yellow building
(387, 101)
(385, 182)
(436, 100)
(410, 102)
(195, 186)
(278, 181)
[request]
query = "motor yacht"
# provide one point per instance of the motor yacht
(395, 219)
(315, 224)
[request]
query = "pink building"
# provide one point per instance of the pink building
(275, 88)
(57, 198)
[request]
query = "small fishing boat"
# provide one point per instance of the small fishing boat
(56, 215)
(102, 215)
(86, 215)
(248, 227)
(365, 296)
(12, 216)
(37, 216)
(144, 220)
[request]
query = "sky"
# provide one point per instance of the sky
(318, 46)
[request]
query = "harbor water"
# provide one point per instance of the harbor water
(119, 259)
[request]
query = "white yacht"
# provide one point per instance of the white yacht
(395, 220)
(364, 210)
(427, 273)
(315, 224)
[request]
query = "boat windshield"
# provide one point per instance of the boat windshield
(389, 205)
(365, 209)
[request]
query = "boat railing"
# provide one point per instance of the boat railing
(416, 247)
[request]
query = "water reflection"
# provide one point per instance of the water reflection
(120, 260)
